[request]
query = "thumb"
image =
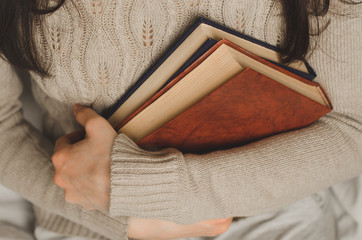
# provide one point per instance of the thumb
(94, 124)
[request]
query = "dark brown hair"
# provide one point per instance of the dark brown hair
(17, 19)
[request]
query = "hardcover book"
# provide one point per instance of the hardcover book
(282, 101)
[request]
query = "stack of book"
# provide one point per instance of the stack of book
(217, 89)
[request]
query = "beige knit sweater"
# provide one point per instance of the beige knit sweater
(96, 49)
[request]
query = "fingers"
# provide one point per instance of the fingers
(83, 114)
(159, 229)
(96, 129)
(62, 147)
(95, 125)
(62, 143)
(67, 140)
(76, 136)
(214, 227)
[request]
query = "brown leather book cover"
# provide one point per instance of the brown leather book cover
(248, 107)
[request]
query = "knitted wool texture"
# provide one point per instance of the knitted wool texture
(95, 50)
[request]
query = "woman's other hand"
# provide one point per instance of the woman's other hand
(149, 229)
(82, 161)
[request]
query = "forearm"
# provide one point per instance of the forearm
(26, 168)
(25, 164)
(278, 171)
(243, 181)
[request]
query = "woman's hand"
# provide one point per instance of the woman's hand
(149, 229)
(82, 161)
(82, 168)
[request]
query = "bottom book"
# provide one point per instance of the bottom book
(248, 107)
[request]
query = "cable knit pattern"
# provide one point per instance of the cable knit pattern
(96, 49)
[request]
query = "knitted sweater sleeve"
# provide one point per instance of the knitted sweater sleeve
(263, 175)
(25, 165)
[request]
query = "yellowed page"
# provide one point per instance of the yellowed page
(256, 49)
(217, 69)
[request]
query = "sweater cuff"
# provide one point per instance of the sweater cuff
(145, 184)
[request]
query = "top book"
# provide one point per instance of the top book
(181, 52)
